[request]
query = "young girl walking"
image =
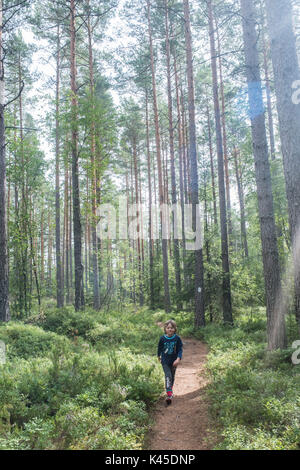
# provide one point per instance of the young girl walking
(169, 353)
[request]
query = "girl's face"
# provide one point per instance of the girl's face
(170, 330)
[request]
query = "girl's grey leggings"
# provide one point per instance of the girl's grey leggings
(169, 376)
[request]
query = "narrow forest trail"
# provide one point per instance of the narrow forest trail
(185, 424)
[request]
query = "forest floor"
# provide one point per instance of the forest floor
(185, 424)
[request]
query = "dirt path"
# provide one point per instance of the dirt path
(184, 425)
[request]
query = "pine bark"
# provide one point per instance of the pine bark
(225, 147)
(67, 232)
(4, 300)
(96, 289)
(286, 79)
(199, 318)
(139, 228)
(227, 306)
(181, 171)
(275, 317)
(79, 296)
(269, 100)
(241, 202)
(167, 303)
(212, 167)
(172, 157)
(59, 279)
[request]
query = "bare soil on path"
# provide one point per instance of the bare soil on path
(185, 424)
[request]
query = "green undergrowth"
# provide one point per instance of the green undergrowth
(88, 380)
(82, 380)
(254, 393)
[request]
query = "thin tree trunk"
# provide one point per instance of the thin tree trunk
(167, 303)
(23, 214)
(42, 248)
(172, 156)
(142, 237)
(96, 289)
(79, 296)
(59, 289)
(199, 319)
(184, 150)
(67, 232)
(208, 257)
(50, 242)
(4, 300)
(241, 201)
(151, 261)
(212, 169)
(181, 170)
(227, 307)
(134, 154)
(223, 120)
(70, 235)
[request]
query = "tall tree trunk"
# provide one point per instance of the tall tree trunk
(199, 319)
(268, 93)
(181, 170)
(227, 307)
(167, 303)
(139, 228)
(59, 280)
(275, 317)
(86, 229)
(42, 248)
(208, 257)
(172, 156)
(241, 201)
(151, 260)
(70, 235)
(8, 209)
(212, 169)
(286, 77)
(96, 289)
(67, 232)
(4, 301)
(79, 296)
(23, 213)
(184, 149)
(50, 243)
(142, 239)
(226, 165)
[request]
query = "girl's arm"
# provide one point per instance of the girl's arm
(179, 344)
(179, 352)
(159, 348)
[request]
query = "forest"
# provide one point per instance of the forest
(149, 170)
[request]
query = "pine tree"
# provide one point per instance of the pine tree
(276, 322)
(199, 319)
(4, 301)
(286, 78)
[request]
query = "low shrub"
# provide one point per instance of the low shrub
(26, 341)
(254, 393)
(79, 381)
